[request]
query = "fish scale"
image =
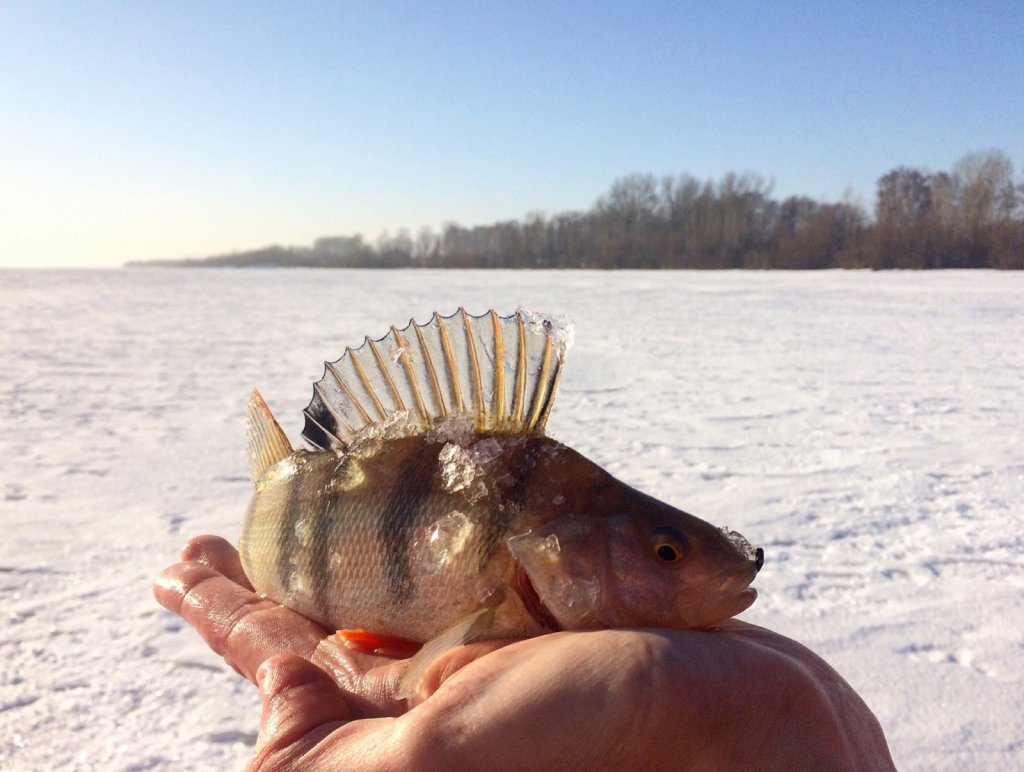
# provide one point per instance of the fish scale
(401, 552)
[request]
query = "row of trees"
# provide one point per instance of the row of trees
(969, 217)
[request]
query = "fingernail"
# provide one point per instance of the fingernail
(172, 583)
(188, 551)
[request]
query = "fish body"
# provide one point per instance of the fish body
(432, 501)
(403, 537)
(407, 536)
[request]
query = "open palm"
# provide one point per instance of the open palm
(736, 697)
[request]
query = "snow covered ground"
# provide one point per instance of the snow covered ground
(866, 429)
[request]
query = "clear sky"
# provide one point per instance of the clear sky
(136, 130)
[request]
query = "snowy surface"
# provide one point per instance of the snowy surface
(865, 429)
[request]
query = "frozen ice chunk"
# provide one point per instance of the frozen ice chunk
(486, 450)
(444, 540)
(561, 330)
(739, 542)
(457, 467)
(453, 429)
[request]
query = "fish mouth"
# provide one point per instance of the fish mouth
(745, 600)
(723, 611)
(534, 606)
(737, 596)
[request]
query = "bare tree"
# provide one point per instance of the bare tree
(986, 190)
(904, 198)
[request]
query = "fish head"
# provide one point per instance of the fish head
(668, 568)
(646, 565)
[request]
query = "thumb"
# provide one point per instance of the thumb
(301, 707)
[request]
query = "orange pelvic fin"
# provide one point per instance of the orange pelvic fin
(372, 643)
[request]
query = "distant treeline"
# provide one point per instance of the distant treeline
(969, 217)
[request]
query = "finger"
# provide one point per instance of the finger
(301, 707)
(218, 554)
(236, 623)
(370, 680)
(246, 630)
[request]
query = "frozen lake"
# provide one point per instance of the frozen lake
(866, 429)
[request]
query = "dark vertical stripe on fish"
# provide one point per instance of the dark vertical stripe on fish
(496, 524)
(320, 550)
(415, 473)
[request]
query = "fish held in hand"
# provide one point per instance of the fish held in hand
(431, 507)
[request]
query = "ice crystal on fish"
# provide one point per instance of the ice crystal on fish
(395, 425)
(485, 451)
(445, 539)
(455, 429)
(457, 467)
(561, 330)
(738, 541)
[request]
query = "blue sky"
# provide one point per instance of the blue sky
(152, 129)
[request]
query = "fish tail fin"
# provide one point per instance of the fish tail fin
(267, 442)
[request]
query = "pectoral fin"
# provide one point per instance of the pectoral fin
(463, 631)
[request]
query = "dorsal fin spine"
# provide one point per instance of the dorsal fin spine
(459, 407)
(438, 395)
(479, 408)
(520, 387)
(499, 371)
(335, 413)
(386, 372)
(366, 383)
(348, 392)
(542, 383)
(549, 398)
(410, 373)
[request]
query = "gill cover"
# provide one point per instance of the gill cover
(566, 560)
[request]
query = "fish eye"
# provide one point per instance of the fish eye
(668, 553)
(669, 545)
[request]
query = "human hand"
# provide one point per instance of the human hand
(736, 697)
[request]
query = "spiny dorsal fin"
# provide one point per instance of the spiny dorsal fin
(267, 443)
(500, 373)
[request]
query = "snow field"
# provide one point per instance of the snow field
(866, 429)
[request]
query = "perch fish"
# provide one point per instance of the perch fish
(432, 508)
